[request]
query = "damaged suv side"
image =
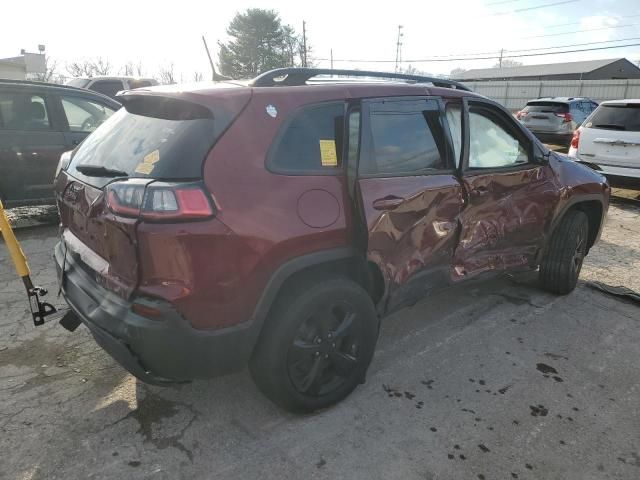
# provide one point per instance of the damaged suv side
(274, 223)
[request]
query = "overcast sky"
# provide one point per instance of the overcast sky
(158, 33)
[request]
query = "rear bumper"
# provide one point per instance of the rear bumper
(160, 350)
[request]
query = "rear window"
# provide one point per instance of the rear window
(550, 107)
(616, 117)
(151, 138)
(139, 84)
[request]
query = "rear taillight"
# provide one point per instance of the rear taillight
(63, 163)
(566, 116)
(521, 114)
(575, 140)
(159, 201)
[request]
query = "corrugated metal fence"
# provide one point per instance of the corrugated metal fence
(515, 94)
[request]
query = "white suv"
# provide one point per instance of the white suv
(110, 86)
(610, 139)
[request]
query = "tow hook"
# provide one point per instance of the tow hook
(39, 309)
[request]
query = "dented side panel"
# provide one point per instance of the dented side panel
(416, 237)
(505, 221)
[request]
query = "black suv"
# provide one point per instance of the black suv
(38, 122)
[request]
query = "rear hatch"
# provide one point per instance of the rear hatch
(544, 116)
(611, 136)
(156, 144)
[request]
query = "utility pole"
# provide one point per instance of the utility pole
(304, 44)
(332, 59)
(500, 60)
(214, 75)
(399, 50)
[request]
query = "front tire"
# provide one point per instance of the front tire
(562, 263)
(316, 344)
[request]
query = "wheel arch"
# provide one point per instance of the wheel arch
(346, 261)
(593, 207)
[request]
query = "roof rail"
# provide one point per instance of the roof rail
(299, 76)
(38, 83)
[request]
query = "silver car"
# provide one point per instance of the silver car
(554, 119)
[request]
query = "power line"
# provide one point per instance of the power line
(517, 10)
(501, 2)
(581, 31)
(580, 23)
(459, 59)
(497, 52)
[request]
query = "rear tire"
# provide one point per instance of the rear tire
(316, 344)
(562, 263)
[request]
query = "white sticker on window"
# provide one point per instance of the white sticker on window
(271, 111)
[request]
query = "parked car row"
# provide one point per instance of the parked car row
(606, 136)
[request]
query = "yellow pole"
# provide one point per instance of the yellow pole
(17, 255)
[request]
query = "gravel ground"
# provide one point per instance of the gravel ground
(492, 381)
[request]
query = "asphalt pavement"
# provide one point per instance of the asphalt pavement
(490, 381)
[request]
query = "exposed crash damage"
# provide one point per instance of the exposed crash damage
(456, 228)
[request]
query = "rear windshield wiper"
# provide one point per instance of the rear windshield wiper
(100, 171)
(610, 126)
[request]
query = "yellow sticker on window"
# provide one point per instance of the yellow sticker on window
(145, 168)
(152, 157)
(328, 155)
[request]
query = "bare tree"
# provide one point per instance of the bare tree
(507, 63)
(197, 76)
(82, 68)
(101, 66)
(167, 75)
(127, 69)
(139, 70)
(50, 71)
(456, 72)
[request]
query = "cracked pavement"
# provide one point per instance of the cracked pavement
(493, 380)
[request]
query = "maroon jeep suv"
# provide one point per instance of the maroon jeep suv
(274, 222)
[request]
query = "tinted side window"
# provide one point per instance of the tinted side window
(491, 143)
(311, 141)
(405, 143)
(107, 87)
(23, 111)
(84, 115)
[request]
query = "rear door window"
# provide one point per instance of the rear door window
(407, 138)
(107, 87)
(623, 117)
(23, 111)
(311, 141)
(84, 115)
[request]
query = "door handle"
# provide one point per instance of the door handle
(481, 190)
(390, 202)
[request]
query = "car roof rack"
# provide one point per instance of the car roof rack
(300, 76)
